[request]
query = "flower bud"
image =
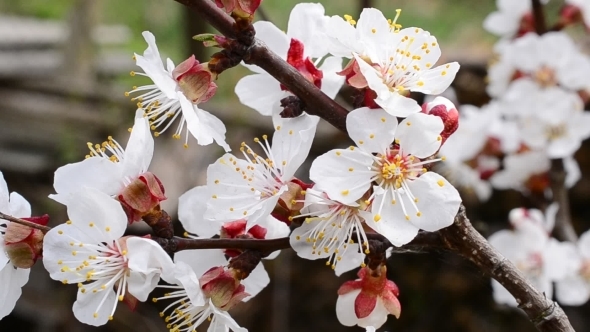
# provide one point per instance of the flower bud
(195, 80)
(222, 287)
(304, 65)
(23, 244)
(141, 196)
(291, 201)
(446, 110)
(240, 8)
(372, 285)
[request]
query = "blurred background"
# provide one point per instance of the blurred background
(64, 68)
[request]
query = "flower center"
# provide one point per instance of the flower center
(184, 316)
(545, 76)
(556, 131)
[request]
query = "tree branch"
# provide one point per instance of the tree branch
(23, 222)
(460, 237)
(463, 239)
(258, 54)
(563, 223)
(539, 17)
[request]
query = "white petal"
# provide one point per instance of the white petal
(438, 201)
(584, 245)
(345, 308)
(183, 275)
(86, 306)
(226, 319)
(11, 281)
(378, 316)
(306, 23)
(573, 290)
(202, 125)
(4, 195)
(192, 206)
(152, 65)
(256, 281)
(392, 223)
(56, 247)
(372, 130)
(201, 260)
(343, 173)
(93, 211)
(139, 149)
(261, 92)
(560, 259)
(501, 24)
(94, 172)
(438, 79)
(147, 261)
(373, 29)
(342, 37)
(331, 82)
(275, 39)
(419, 134)
(292, 141)
(19, 206)
(351, 259)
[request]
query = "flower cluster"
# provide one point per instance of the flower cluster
(383, 185)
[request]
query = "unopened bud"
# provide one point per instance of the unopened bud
(240, 8)
(223, 287)
(141, 196)
(195, 80)
(23, 244)
(446, 110)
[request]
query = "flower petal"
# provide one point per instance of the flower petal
(419, 134)
(372, 130)
(343, 174)
(256, 281)
(292, 141)
(201, 260)
(11, 281)
(345, 308)
(192, 206)
(147, 261)
(139, 149)
(261, 92)
(86, 308)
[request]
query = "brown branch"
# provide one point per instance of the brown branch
(23, 222)
(563, 223)
(460, 237)
(463, 239)
(539, 17)
(258, 54)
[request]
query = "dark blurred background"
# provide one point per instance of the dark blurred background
(64, 68)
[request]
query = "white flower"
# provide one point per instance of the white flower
(406, 197)
(574, 288)
(464, 166)
(508, 20)
(11, 277)
(304, 41)
(550, 59)
(393, 62)
(164, 101)
(519, 169)
(191, 209)
(540, 258)
(191, 307)
(556, 122)
(325, 232)
(250, 189)
(109, 167)
(89, 250)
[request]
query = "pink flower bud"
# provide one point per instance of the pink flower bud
(446, 110)
(24, 245)
(237, 229)
(304, 65)
(222, 287)
(375, 289)
(195, 80)
(141, 196)
(241, 8)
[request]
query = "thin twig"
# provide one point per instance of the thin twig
(317, 102)
(23, 222)
(539, 17)
(563, 222)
